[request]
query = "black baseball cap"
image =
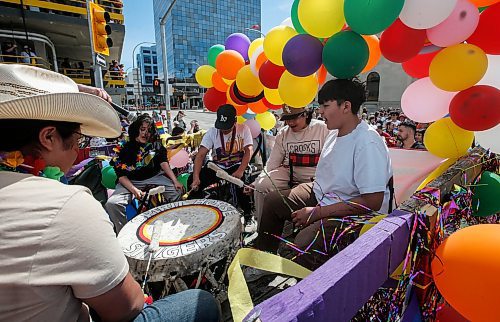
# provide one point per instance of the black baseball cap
(226, 117)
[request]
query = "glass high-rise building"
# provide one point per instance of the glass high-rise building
(193, 26)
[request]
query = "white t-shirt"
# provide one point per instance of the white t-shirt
(308, 141)
(351, 165)
(211, 140)
(57, 246)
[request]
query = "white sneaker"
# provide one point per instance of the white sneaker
(253, 274)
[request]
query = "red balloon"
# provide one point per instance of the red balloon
(448, 314)
(476, 108)
(270, 74)
(271, 106)
(213, 99)
(418, 66)
(486, 36)
(399, 42)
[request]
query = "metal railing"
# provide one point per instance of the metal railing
(84, 76)
(23, 60)
(114, 7)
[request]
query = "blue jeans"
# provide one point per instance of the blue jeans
(187, 306)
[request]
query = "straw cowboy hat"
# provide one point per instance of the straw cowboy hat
(37, 94)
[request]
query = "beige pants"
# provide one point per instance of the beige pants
(280, 177)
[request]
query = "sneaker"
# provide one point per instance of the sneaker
(253, 274)
(250, 225)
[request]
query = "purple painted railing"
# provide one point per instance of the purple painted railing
(339, 288)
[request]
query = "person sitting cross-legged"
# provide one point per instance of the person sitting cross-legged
(232, 148)
(140, 162)
(304, 138)
(354, 173)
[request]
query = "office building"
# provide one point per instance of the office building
(147, 68)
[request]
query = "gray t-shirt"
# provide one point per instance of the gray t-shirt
(57, 246)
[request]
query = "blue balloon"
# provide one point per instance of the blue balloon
(249, 116)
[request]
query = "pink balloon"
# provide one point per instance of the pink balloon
(457, 27)
(179, 160)
(423, 102)
(254, 127)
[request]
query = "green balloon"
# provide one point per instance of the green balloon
(295, 18)
(486, 199)
(213, 52)
(481, 9)
(183, 178)
(345, 54)
(369, 17)
(108, 179)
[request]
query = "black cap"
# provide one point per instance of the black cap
(226, 117)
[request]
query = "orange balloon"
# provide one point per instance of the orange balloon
(219, 82)
(228, 63)
(260, 61)
(241, 109)
(373, 46)
(321, 75)
(483, 3)
(258, 107)
(465, 271)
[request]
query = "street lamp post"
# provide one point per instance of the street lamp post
(139, 82)
(202, 89)
(163, 22)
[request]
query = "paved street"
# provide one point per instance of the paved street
(206, 119)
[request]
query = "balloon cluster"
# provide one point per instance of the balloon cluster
(451, 46)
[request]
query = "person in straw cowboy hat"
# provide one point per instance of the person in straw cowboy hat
(58, 249)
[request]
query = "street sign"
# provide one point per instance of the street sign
(100, 60)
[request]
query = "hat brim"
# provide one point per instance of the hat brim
(224, 125)
(96, 116)
(290, 116)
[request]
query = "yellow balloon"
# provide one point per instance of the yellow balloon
(321, 18)
(240, 119)
(228, 81)
(445, 139)
(266, 120)
(247, 82)
(204, 75)
(275, 42)
(273, 96)
(254, 45)
(297, 91)
(458, 67)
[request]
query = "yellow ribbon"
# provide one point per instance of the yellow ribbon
(238, 293)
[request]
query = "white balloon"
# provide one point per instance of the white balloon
(489, 139)
(424, 14)
(287, 22)
(437, 101)
(253, 60)
(492, 76)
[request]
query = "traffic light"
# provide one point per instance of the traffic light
(99, 19)
(156, 86)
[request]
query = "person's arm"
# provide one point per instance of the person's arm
(170, 174)
(277, 154)
(122, 303)
(124, 181)
(308, 215)
(95, 91)
(198, 163)
(244, 162)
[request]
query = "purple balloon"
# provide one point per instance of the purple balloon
(239, 42)
(303, 55)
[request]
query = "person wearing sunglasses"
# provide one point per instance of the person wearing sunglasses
(302, 136)
(141, 161)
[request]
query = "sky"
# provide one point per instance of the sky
(139, 25)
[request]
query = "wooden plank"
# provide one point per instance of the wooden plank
(339, 288)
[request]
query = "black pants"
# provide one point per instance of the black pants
(208, 177)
